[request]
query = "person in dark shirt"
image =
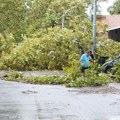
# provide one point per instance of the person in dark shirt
(91, 54)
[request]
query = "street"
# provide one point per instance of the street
(19, 101)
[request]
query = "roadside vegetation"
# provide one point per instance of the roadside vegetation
(52, 35)
(73, 78)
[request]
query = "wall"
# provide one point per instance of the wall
(114, 34)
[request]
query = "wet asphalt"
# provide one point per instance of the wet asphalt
(19, 101)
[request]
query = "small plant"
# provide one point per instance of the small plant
(15, 76)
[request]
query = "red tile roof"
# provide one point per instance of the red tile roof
(113, 21)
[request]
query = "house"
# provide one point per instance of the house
(113, 22)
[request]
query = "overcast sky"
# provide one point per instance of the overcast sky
(105, 5)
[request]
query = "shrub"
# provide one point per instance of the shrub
(6, 44)
(51, 51)
(116, 72)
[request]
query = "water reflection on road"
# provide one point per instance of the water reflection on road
(20, 101)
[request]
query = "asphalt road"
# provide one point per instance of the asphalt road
(20, 101)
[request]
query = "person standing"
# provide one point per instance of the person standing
(85, 58)
(91, 54)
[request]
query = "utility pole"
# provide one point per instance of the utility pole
(63, 20)
(94, 27)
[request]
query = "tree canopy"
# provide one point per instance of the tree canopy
(12, 17)
(115, 9)
(45, 34)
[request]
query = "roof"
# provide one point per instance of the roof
(113, 21)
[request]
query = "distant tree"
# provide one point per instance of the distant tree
(12, 17)
(115, 9)
(51, 13)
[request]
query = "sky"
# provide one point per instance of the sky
(105, 5)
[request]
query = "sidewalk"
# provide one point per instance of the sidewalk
(34, 73)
